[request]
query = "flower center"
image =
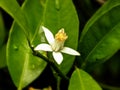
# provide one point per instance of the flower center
(60, 38)
(61, 35)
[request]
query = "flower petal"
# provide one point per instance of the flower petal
(70, 51)
(58, 57)
(48, 34)
(43, 47)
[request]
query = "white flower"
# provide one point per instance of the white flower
(56, 45)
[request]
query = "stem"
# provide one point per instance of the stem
(55, 67)
(58, 83)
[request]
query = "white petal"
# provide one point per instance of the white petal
(58, 57)
(43, 47)
(70, 51)
(48, 34)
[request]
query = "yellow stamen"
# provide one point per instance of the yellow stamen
(60, 38)
(61, 35)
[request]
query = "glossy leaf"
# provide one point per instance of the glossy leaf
(24, 67)
(100, 38)
(81, 80)
(61, 14)
(13, 9)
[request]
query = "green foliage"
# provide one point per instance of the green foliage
(81, 80)
(57, 15)
(102, 34)
(21, 62)
(13, 8)
(99, 40)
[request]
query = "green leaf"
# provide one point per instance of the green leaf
(62, 14)
(24, 67)
(13, 9)
(81, 80)
(100, 38)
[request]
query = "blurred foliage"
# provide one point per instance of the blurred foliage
(97, 19)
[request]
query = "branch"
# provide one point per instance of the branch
(55, 67)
